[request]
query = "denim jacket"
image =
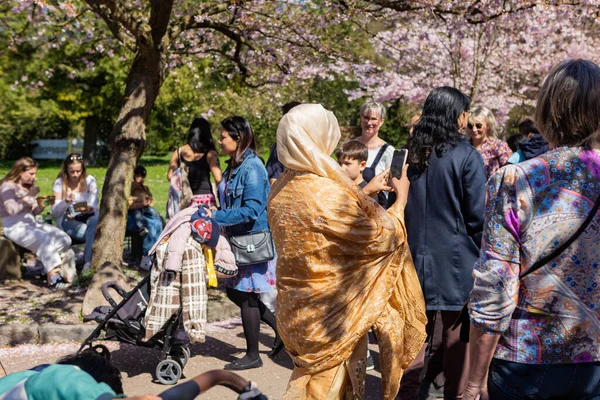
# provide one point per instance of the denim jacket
(246, 194)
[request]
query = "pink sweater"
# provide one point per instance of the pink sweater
(15, 199)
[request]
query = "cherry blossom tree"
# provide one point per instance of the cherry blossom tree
(494, 50)
(257, 42)
(497, 52)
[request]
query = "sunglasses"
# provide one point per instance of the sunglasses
(478, 125)
(75, 157)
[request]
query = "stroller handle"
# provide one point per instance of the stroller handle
(191, 389)
(117, 288)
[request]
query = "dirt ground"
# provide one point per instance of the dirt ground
(224, 342)
(30, 301)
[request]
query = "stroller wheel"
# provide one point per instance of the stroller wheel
(180, 353)
(168, 372)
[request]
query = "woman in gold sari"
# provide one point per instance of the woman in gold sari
(343, 267)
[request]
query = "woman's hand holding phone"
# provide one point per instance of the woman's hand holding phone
(377, 184)
(401, 187)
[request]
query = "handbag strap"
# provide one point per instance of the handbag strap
(545, 260)
(380, 154)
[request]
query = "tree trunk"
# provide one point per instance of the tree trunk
(128, 140)
(90, 136)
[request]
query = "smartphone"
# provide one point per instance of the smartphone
(398, 162)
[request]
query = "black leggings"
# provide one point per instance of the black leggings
(253, 311)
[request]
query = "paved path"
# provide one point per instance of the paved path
(224, 341)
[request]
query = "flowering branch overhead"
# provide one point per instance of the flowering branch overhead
(495, 51)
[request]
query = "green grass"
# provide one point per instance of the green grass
(156, 179)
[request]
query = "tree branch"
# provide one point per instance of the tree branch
(189, 22)
(75, 18)
(115, 16)
(472, 13)
(160, 15)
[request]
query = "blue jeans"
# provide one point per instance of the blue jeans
(516, 381)
(154, 225)
(82, 232)
(140, 214)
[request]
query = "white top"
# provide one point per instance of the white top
(90, 196)
(386, 160)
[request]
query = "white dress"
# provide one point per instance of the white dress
(50, 244)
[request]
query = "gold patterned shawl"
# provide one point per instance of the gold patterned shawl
(343, 262)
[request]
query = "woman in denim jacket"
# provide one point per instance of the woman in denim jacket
(243, 195)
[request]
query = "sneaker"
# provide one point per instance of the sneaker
(370, 364)
(143, 232)
(57, 282)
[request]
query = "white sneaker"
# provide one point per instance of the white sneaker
(146, 263)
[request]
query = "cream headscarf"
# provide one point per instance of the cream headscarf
(306, 137)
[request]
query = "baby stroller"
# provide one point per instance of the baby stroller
(124, 322)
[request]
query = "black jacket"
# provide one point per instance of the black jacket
(444, 223)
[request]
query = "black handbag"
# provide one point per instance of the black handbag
(252, 248)
(463, 319)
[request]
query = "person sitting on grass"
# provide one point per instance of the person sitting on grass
(142, 217)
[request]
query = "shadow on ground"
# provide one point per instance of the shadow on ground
(30, 301)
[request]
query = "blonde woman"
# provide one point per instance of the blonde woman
(73, 185)
(18, 207)
(483, 128)
(372, 116)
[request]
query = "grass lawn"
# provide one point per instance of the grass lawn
(156, 179)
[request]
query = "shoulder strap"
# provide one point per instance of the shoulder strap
(380, 154)
(178, 156)
(545, 260)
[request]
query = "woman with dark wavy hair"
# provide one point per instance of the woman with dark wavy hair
(243, 195)
(444, 221)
